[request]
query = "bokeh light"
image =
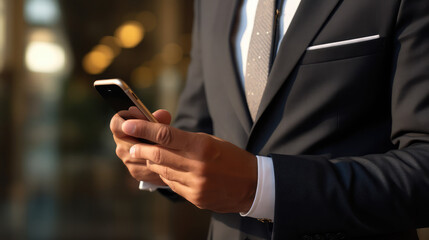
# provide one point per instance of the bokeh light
(2, 35)
(45, 57)
(130, 34)
(60, 176)
(113, 43)
(105, 50)
(43, 12)
(96, 61)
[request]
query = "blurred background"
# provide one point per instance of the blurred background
(59, 176)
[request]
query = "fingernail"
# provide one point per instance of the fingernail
(133, 151)
(129, 128)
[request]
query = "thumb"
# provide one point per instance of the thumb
(163, 116)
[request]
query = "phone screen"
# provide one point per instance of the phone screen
(119, 101)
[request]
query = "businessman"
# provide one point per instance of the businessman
(300, 119)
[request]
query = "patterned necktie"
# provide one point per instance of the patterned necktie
(259, 55)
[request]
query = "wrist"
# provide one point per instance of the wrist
(264, 201)
(252, 184)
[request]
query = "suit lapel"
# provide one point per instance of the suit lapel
(226, 24)
(309, 18)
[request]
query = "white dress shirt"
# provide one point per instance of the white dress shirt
(264, 201)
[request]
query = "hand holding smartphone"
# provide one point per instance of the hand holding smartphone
(126, 103)
(123, 100)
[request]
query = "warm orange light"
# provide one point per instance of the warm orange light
(105, 50)
(3, 35)
(113, 43)
(142, 77)
(172, 53)
(98, 59)
(130, 34)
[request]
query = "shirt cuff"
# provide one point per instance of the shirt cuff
(147, 186)
(265, 197)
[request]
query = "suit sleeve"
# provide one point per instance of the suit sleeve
(193, 114)
(373, 194)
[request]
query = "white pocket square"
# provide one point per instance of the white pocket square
(345, 42)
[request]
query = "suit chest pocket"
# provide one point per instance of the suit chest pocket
(343, 50)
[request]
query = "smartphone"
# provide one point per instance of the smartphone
(123, 100)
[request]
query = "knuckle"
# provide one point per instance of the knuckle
(121, 152)
(200, 184)
(139, 173)
(164, 135)
(204, 141)
(166, 173)
(135, 173)
(157, 156)
(149, 166)
(202, 169)
(126, 161)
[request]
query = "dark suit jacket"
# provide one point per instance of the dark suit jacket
(347, 127)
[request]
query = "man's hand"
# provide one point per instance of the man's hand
(209, 172)
(137, 167)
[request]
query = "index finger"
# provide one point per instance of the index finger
(158, 133)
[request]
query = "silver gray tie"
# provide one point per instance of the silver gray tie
(259, 55)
